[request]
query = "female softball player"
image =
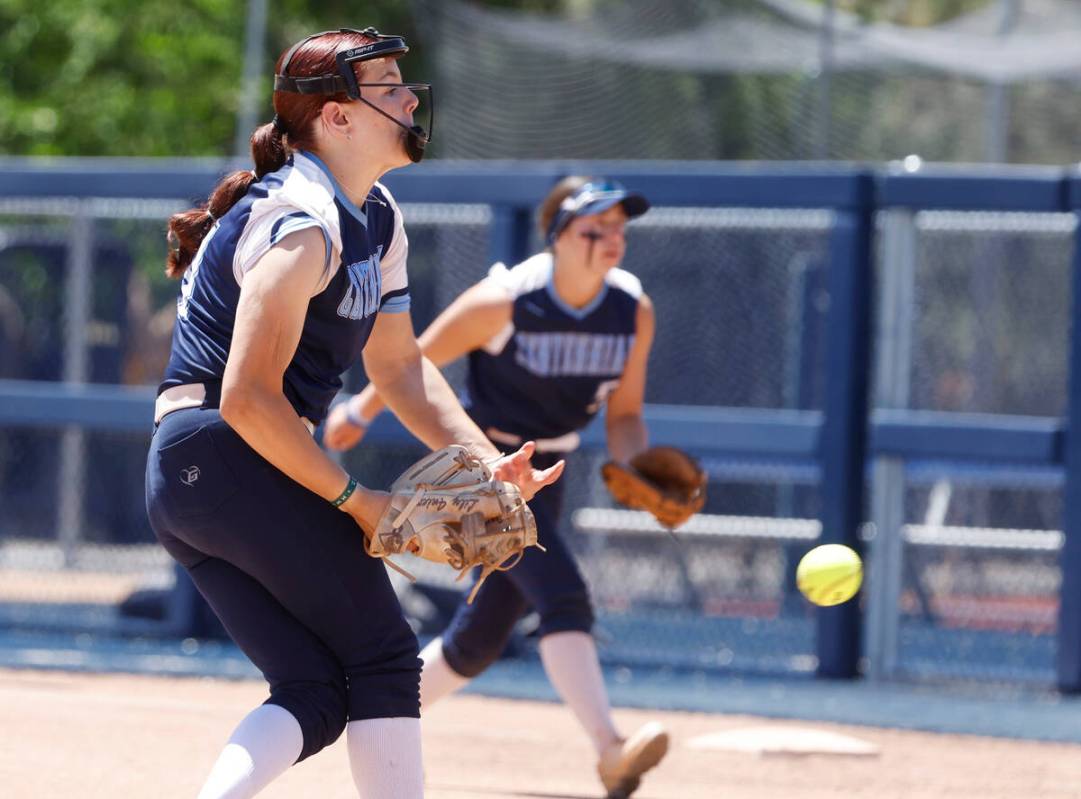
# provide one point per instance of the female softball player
(550, 341)
(289, 274)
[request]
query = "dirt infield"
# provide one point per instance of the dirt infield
(95, 736)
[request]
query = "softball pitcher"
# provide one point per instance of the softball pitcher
(289, 273)
(550, 341)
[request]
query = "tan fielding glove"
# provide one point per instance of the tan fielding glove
(447, 508)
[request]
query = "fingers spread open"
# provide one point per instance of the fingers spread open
(552, 473)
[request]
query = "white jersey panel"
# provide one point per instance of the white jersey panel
(304, 199)
(395, 278)
(531, 274)
(624, 281)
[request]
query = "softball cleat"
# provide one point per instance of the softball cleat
(623, 763)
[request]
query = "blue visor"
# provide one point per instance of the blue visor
(595, 198)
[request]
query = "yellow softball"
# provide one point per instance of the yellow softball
(829, 574)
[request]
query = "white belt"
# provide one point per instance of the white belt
(191, 395)
(564, 443)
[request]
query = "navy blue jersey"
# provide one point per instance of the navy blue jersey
(365, 273)
(551, 369)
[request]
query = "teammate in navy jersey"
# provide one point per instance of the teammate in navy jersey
(291, 274)
(550, 342)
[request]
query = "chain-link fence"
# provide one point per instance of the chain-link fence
(79, 302)
(731, 289)
(755, 79)
(984, 317)
(741, 298)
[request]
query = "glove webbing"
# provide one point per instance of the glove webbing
(400, 521)
(487, 569)
(471, 519)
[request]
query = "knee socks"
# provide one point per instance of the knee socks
(264, 744)
(570, 660)
(385, 758)
(437, 678)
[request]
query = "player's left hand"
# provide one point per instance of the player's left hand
(516, 468)
(366, 506)
(665, 481)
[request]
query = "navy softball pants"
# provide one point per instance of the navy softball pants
(548, 582)
(287, 575)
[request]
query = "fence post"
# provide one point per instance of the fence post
(508, 240)
(893, 364)
(1068, 656)
(78, 302)
(844, 434)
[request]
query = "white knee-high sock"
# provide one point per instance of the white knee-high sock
(385, 758)
(264, 744)
(570, 660)
(437, 678)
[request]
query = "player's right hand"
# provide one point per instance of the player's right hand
(339, 433)
(517, 468)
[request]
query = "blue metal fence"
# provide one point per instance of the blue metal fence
(1068, 664)
(839, 440)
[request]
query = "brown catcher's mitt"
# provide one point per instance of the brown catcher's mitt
(665, 481)
(447, 508)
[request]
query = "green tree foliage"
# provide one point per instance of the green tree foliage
(151, 77)
(909, 12)
(142, 77)
(115, 77)
(155, 77)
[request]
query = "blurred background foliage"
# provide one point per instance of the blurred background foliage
(909, 12)
(159, 78)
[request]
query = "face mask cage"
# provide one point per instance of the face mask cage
(418, 136)
(345, 81)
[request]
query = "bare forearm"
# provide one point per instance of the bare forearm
(425, 403)
(367, 404)
(627, 436)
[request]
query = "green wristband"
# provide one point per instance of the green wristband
(348, 492)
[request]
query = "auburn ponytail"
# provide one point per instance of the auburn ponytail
(293, 129)
(188, 228)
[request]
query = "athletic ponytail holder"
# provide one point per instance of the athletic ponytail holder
(279, 125)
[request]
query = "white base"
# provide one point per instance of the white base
(784, 741)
